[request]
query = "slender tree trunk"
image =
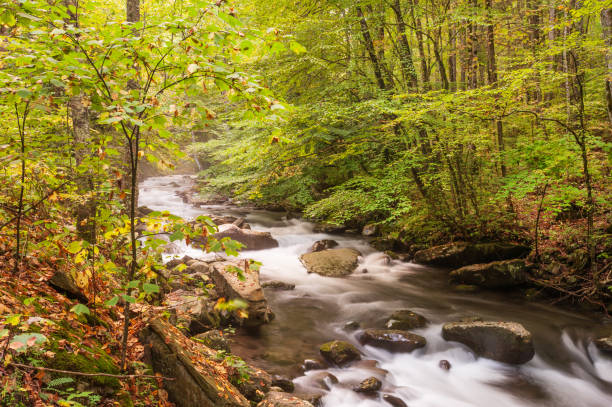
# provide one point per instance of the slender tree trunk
(606, 23)
(452, 58)
(472, 36)
(369, 45)
(85, 210)
(416, 22)
(133, 16)
(406, 64)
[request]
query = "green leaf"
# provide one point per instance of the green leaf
(177, 235)
(129, 298)
(112, 302)
(24, 93)
(3, 333)
(133, 284)
(75, 246)
(150, 288)
(80, 309)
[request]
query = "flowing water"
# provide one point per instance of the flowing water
(567, 369)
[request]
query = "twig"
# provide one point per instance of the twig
(69, 372)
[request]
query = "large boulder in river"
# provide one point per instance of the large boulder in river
(393, 340)
(460, 254)
(281, 399)
(331, 262)
(340, 353)
(507, 342)
(252, 239)
(405, 319)
(229, 285)
(497, 274)
(198, 379)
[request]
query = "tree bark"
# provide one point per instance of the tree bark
(406, 64)
(606, 23)
(472, 38)
(416, 22)
(369, 45)
(452, 59)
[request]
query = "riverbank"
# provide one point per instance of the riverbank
(317, 309)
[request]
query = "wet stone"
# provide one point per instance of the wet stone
(311, 364)
(339, 352)
(352, 326)
(444, 364)
(369, 386)
(284, 383)
(394, 401)
(405, 320)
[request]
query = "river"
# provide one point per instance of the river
(567, 369)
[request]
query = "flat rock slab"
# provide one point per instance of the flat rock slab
(497, 274)
(199, 380)
(281, 399)
(252, 239)
(331, 262)
(393, 340)
(507, 342)
(459, 254)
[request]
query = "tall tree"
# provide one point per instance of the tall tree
(606, 23)
(406, 63)
(369, 46)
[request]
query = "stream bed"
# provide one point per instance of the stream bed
(567, 369)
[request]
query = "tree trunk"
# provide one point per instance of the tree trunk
(452, 59)
(606, 23)
(472, 37)
(369, 45)
(85, 210)
(133, 16)
(416, 22)
(406, 64)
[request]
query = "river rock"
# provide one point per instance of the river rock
(331, 262)
(459, 254)
(279, 399)
(405, 319)
(252, 239)
(199, 380)
(368, 386)
(63, 282)
(311, 364)
(175, 262)
(321, 245)
(394, 401)
(278, 285)
(340, 353)
(370, 230)
(228, 285)
(197, 266)
(604, 344)
(444, 364)
(498, 274)
(393, 340)
(328, 228)
(507, 342)
(351, 326)
(214, 339)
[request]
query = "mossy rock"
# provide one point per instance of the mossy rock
(339, 352)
